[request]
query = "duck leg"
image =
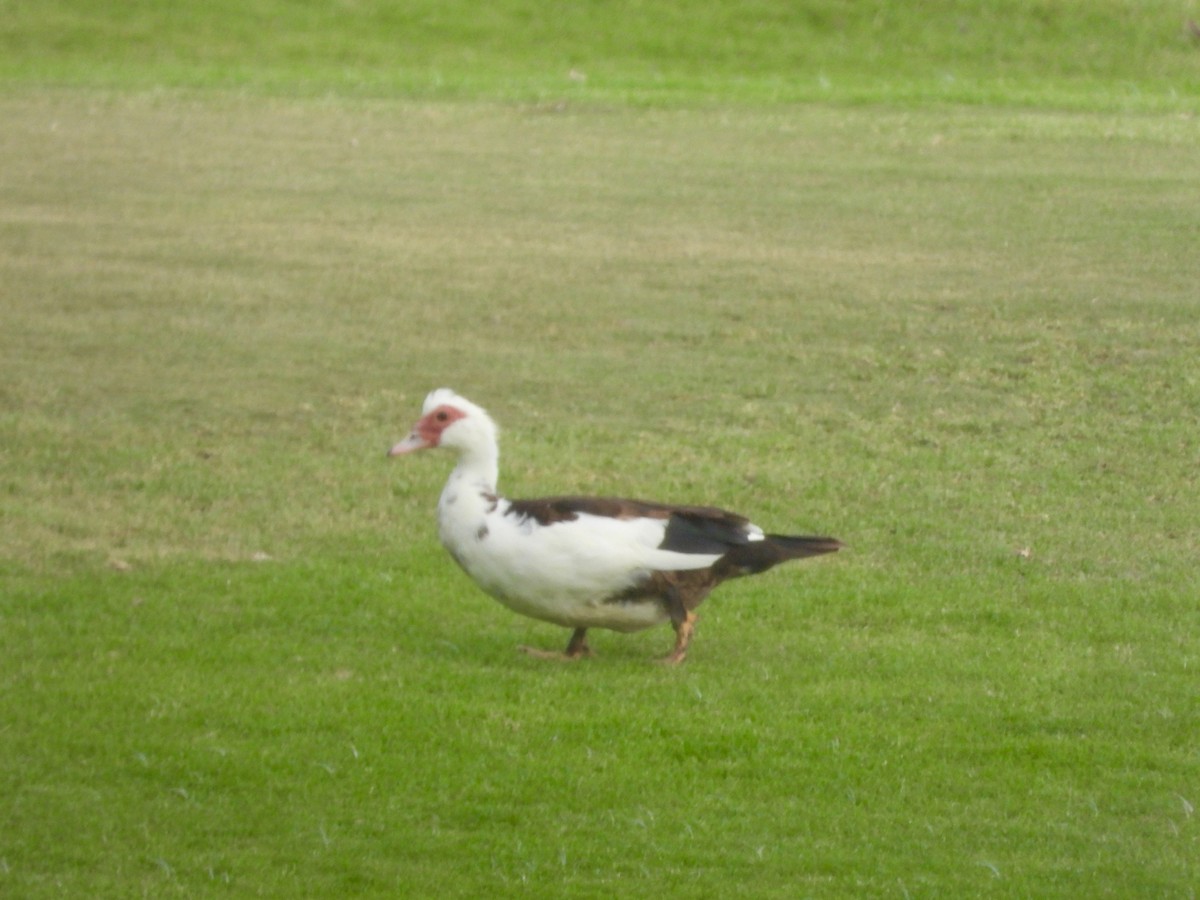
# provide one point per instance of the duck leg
(683, 637)
(684, 622)
(577, 648)
(578, 645)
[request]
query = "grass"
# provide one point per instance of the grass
(233, 659)
(1109, 54)
(236, 661)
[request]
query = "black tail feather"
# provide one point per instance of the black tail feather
(758, 556)
(799, 547)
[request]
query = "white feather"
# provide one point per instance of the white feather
(567, 572)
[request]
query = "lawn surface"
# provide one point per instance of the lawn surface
(961, 338)
(1102, 54)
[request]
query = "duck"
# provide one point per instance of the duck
(585, 562)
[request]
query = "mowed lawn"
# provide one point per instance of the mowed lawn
(235, 662)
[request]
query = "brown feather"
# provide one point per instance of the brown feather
(683, 591)
(548, 510)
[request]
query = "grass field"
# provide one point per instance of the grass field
(962, 338)
(1102, 54)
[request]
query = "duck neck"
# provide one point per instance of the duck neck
(478, 468)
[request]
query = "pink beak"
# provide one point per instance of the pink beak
(410, 444)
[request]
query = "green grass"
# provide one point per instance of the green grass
(962, 342)
(233, 659)
(1111, 54)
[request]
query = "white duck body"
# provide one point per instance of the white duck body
(571, 573)
(585, 562)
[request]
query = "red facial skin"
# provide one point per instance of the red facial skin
(427, 433)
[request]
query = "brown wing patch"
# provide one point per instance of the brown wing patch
(548, 510)
(679, 592)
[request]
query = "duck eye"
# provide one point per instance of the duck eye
(442, 415)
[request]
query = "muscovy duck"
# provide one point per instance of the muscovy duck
(586, 562)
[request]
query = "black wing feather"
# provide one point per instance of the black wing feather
(690, 529)
(702, 531)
